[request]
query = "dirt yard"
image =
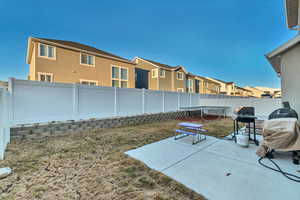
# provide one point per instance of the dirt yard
(92, 165)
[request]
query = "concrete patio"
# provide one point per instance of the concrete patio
(219, 169)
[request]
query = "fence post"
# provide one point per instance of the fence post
(11, 106)
(178, 100)
(75, 101)
(2, 121)
(163, 100)
(143, 100)
(116, 101)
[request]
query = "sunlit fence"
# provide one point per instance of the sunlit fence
(4, 121)
(34, 102)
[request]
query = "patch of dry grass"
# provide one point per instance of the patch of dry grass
(92, 165)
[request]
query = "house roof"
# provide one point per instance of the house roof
(164, 66)
(241, 88)
(274, 57)
(80, 47)
(252, 89)
(292, 13)
(221, 81)
(160, 64)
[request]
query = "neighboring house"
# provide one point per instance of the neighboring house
(286, 58)
(239, 91)
(3, 84)
(227, 88)
(157, 76)
(208, 86)
(267, 90)
(277, 94)
(254, 91)
(71, 62)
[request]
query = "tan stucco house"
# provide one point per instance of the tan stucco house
(71, 62)
(286, 58)
(160, 76)
(172, 78)
(243, 92)
(3, 84)
(208, 86)
(227, 88)
(254, 91)
(64, 61)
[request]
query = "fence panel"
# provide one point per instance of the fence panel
(195, 100)
(171, 101)
(41, 102)
(184, 99)
(95, 102)
(129, 101)
(153, 101)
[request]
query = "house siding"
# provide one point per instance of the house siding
(165, 84)
(179, 83)
(67, 68)
(153, 82)
(290, 71)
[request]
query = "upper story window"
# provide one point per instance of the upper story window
(154, 73)
(179, 76)
(119, 76)
(190, 85)
(162, 73)
(47, 51)
(45, 77)
(86, 59)
(88, 82)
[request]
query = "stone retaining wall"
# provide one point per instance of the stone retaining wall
(59, 128)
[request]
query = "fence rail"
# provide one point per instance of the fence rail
(34, 102)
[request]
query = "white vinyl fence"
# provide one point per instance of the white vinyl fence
(4, 121)
(35, 102)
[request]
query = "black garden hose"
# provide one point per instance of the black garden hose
(278, 169)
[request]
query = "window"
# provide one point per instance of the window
(162, 73)
(119, 77)
(180, 90)
(179, 76)
(86, 59)
(46, 51)
(190, 85)
(154, 73)
(88, 82)
(45, 77)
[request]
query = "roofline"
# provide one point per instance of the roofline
(147, 61)
(179, 67)
(276, 53)
(78, 49)
(206, 79)
(217, 80)
(284, 47)
(183, 68)
(241, 88)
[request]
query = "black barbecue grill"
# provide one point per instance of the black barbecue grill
(245, 115)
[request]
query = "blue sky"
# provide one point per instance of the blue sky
(216, 38)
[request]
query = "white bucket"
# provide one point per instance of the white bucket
(242, 140)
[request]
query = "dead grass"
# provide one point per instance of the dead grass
(92, 165)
